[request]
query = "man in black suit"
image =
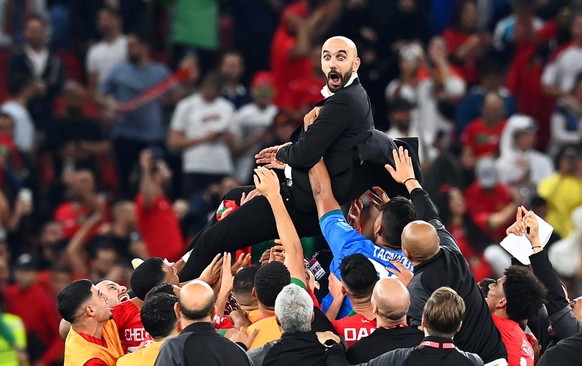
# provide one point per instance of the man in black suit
(341, 130)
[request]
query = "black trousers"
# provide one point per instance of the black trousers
(251, 223)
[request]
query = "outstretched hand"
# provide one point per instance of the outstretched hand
(266, 182)
(268, 157)
(404, 169)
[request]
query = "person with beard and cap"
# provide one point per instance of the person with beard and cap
(341, 131)
(93, 339)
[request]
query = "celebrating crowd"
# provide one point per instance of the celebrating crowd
(325, 182)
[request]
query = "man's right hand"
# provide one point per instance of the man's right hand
(268, 157)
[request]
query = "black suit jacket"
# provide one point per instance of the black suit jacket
(353, 151)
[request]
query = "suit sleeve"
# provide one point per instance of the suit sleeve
(426, 211)
(560, 314)
(333, 119)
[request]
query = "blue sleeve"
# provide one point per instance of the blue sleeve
(337, 232)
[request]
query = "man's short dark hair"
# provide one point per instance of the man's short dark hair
(71, 297)
(269, 281)
(396, 214)
(400, 105)
(163, 288)
(158, 316)
(244, 280)
(197, 314)
(443, 313)
(524, 293)
(146, 276)
(143, 37)
(358, 275)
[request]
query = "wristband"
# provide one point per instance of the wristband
(407, 179)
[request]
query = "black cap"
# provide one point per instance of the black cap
(26, 262)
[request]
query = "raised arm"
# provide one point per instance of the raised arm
(321, 188)
(268, 185)
(563, 321)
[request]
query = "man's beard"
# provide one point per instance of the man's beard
(337, 76)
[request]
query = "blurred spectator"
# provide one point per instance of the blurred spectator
(400, 117)
(142, 127)
(111, 51)
(195, 31)
(199, 129)
(22, 90)
(44, 68)
(482, 136)
(251, 124)
(566, 254)
(492, 78)
(12, 349)
(292, 43)
(122, 233)
(304, 93)
(559, 77)
(75, 139)
(563, 190)
(466, 42)
(156, 220)
(40, 315)
(489, 202)
(520, 25)
(254, 23)
(565, 127)
(83, 200)
(519, 164)
(412, 71)
(408, 22)
(52, 245)
(232, 68)
(437, 95)
(472, 242)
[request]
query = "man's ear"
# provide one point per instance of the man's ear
(312, 317)
(406, 253)
(501, 304)
(459, 327)
(89, 310)
(254, 293)
(177, 310)
(344, 290)
(379, 230)
(356, 64)
(375, 309)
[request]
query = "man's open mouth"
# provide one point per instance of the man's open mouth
(124, 297)
(334, 78)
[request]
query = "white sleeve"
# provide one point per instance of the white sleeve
(455, 86)
(178, 122)
(91, 62)
(550, 75)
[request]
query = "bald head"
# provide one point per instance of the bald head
(196, 301)
(390, 301)
(420, 241)
(343, 42)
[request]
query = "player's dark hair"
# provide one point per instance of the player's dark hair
(358, 275)
(158, 316)
(269, 281)
(71, 297)
(146, 276)
(396, 214)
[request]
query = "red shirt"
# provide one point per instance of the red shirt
(469, 67)
(481, 203)
(305, 93)
(128, 320)
(482, 139)
(354, 327)
(519, 350)
(38, 311)
(71, 215)
(477, 262)
(160, 228)
(284, 68)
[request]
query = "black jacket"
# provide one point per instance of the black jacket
(383, 340)
(199, 344)
(566, 353)
(416, 356)
(296, 349)
(449, 268)
(344, 135)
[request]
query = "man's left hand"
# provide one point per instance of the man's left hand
(268, 157)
